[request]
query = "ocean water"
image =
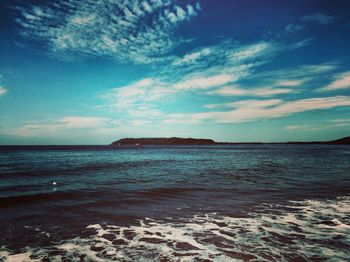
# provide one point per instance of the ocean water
(230, 203)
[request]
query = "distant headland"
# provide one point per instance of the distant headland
(163, 141)
(178, 141)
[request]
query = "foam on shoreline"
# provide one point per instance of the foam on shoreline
(308, 230)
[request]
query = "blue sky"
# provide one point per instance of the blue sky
(91, 72)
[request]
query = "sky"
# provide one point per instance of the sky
(93, 71)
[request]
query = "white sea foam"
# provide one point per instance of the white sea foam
(307, 230)
(19, 257)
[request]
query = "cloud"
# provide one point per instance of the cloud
(210, 70)
(206, 68)
(77, 129)
(252, 51)
(141, 99)
(206, 82)
(277, 82)
(238, 91)
(301, 71)
(271, 90)
(296, 127)
(341, 81)
(292, 29)
(70, 122)
(254, 110)
(295, 76)
(144, 112)
(289, 83)
(219, 67)
(139, 93)
(67, 126)
(149, 92)
(193, 57)
(83, 122)
(220, 64)
(3, 91)
(320, 126)
(340, 120)
(140, 31)
(319, 18)
(224, 55)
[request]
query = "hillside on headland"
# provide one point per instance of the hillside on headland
(200, 141)
(163, 141)
(341, 141)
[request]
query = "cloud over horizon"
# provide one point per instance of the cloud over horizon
(252, 110)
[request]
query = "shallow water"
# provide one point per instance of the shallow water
(244, 202)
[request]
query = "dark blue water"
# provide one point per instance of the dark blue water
(244, 202)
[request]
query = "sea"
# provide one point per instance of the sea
(263, 202)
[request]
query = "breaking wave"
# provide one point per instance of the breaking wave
(300, 231)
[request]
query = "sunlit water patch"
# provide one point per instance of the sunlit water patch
(303, 230)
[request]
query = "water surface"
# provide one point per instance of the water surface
(243, 202)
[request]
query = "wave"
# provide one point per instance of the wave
(11, 201)
(93, 195)
(168, 192)
(79, 169)
(303, 230)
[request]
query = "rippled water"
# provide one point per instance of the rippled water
(246, 202)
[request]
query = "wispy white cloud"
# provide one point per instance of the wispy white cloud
(296, 127)
(293, 28)
(83, 122)
(289, 83)
(139, 122)
(78, 128)
(221, 64)
(3, 91)
(341, 81)
(73, 122)
(206, 68)
(139, 93)
(238, 91)
(68, 125)
(301, 43)
(300, 72)
(212, 70)
(305, 76)
(340, 120)
(253, 110)
(273, 89)
(277, 82)
(252, 51)
(202, 82)
(139, 30)
(319, 126)
(320, 18)
(193, 57)
(142, 97)
(224, 55)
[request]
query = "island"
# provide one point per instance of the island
(163, 141)
(178, 141)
